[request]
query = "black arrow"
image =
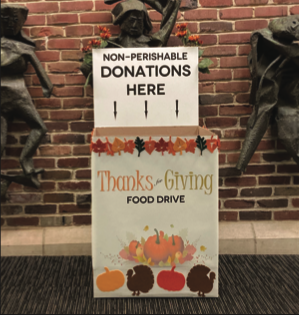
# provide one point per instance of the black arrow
(115, 112)
(177, 108)
(146, 109)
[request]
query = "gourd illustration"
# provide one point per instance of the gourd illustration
(171, 280)
(156, 248)
(175, 245)
(198, 280)
(142, 281)
(110, 280)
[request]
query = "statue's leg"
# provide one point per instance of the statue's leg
(29, 114)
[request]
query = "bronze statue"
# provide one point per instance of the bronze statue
(135, 25)
(16, 51)
(274, 66)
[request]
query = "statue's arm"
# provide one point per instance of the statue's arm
(46, 84)
(170, 12)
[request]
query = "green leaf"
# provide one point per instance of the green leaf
(200, 53)
(166, 237)
(161, 263)
(171, 225)
(88, 80)
(88, 59)
(142, 241)
(139, 145)
(201, 143)
(205, 63)
(176, 261)
(204, 70)
(103, 44)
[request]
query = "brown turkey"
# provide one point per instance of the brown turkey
(141, 281)
(198, 280)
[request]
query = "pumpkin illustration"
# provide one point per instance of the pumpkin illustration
(175, 244)
(156, 248)
(133, 247)
(171, 280)
(110, 280)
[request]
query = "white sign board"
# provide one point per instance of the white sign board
(145, 86)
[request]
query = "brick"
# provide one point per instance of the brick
(18, 127)
(240, 182)
(216, 3)
(205, 111)
(274, 180)
(286, 191)
(56, 175)
(215, 99)
(51, 221)
(208, 39)
(40, 45)
(238, 204)
(11, 209)
(47, 31)
(74, 79)
(244, 50)
(242, 74)
(228, 216)
(155, 16)
(82, 219)
(73, 162)
(66, 43)
(259, 169)
(216, 75)
(230, 145)
(115, 29)
(56, 126)
(256, 192)
(234, 38)
(271, 11)
(13, 151)
(71, 55)
(44, 140)
(57, 198)
(273, 203)
(295, 202)
(66, 6)
(242, 98)
(24, 198)
(233, 62)
(200, 14)
(233, 14)
(229, 171)
(286, 215)
(296, 180)
(68, 91)
(54, 150)
(82, 126)
(55, 79)
(13, 187)
(102, 6)
(250, 2)
(232, 87)
(46, 56)
(42, 209)
(35, 20)
(292, 168)
(9, 164)
(66, 115)
(234, 110)
(235, 133)
(20, 221)
(42, 7)
(228, 193)
(85, 102)
(276, 157)
(74, 208)
(220, 51)
(95, 17)
(2, 222)
(221, 122)
(255, 215)
(74, 186)
(44, 163)
(210, 27)
(44, 186)
(35, 92)
(234, 157)
(294, 10)
(266, 145)
(250, 25)
(79, 30)
(68, 138)
(83, 174)
(62, 19)
(11, 139)
(81, 150)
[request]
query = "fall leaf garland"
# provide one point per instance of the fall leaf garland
(180, 145)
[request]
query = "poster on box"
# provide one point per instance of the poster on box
(155, 212)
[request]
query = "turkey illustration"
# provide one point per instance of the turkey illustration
(141, 281)
(198, 280)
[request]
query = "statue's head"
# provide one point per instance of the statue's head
(286, 28)
(132, 17)
(13, 17)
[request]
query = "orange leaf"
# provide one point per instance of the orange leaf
(117, 145)
(212, 144)
(109, 150)
(129, 146)
(191, 145)
(170, 147)
(179, 145)
(149, 145)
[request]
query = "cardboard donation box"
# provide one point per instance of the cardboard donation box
(154, 178)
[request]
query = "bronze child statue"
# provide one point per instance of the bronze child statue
(16, 51)
(274, 66)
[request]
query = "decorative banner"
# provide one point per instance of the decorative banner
(145, 86)
(155, 212)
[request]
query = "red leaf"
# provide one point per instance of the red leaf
(161, 146)
(149, 145)
(170, 147)
(191, 145)
(109, 150)
(98, 147)
(190, 249)
(129, 146)
(123, 254)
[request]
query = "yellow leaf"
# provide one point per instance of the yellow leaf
(127, 249)
(185, 253)
(149, 260)
(203, 248)
(169, 260)
(142, 241)
(144, 258)
(145, 228)
(152, 264)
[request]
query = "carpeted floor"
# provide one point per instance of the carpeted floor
(60, 285)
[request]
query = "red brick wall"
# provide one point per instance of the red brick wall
(268, 190)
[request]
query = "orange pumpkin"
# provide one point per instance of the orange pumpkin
(133, 247)
(156, 248)
(175, 244)
(110, 280)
